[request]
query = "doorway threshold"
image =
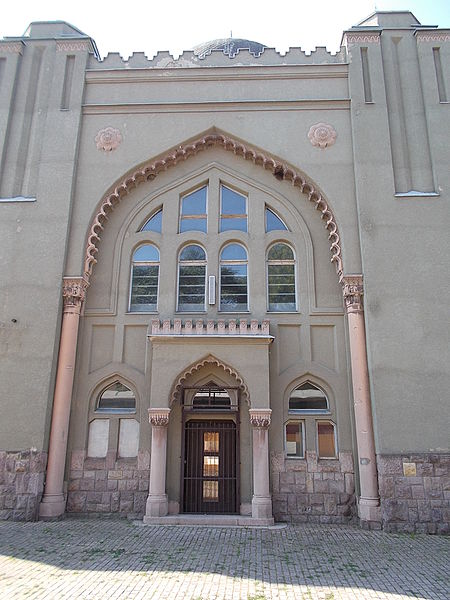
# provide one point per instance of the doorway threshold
(209, 520)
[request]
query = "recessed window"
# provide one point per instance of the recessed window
(281, 278)
(116, 398)
(191, 279)
(233, 210)
(144, 279)
(326, 439)
(193, 211)
(154, 223)
(308, 398)
(233, 278)
(294, 439)
(273, 221)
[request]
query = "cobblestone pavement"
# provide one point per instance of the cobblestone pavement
(109, 558)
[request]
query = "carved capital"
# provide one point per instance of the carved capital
(260, 417)
(353, 291)
(158, 417)
(74, 292)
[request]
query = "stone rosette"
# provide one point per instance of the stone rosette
(108, 139)
(322, 135)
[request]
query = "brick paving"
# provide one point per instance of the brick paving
(90, 559)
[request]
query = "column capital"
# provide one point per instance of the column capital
(260, 417)
(158, 417)
(353, 291)
(74, 293)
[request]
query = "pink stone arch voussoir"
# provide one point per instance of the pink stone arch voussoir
(206, 361)
(148, 172)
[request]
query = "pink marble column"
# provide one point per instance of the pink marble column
(369, 501)
(53, 502)
(157, 503)
(262, 500)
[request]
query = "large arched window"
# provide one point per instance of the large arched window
(191, 279)
(144, 279)
(233, 278)
(281, 278)
(117, 397)
(308, 398)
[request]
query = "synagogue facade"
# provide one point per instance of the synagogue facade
(224, 280)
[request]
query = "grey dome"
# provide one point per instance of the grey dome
(229, 46)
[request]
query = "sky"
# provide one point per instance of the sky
(175, 25)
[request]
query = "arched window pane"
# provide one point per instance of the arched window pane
(281, 278)
(233, 279)
(193, 211)
(234, 252)
(273, 222)
(146, 253)
(144, 279)
(192, 253)
(192, 279)
(116, 398)
(154, 223)
(308, 398)
(233, 213)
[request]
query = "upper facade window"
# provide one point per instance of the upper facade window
(193, 214)
(233, 210)
(144, 279)
(191, 279)
(233, 278)
(154, 223)
(308, 398)
(281, 278)
(116, 398)
(273, 221)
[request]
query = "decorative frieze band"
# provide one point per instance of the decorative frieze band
(210, 327)
(11, 47)
(439, 37)
(353, 291)
(260, 417)
(81, 46)
(362, 38)
(158, 417)
(74, 292)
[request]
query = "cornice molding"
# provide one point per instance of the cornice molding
(11, 47)
(66, 46)
(426, 36)
(362, 38)
(280, 170)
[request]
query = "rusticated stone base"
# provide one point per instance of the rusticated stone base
(21, 483)
(313, 490)
(415, 492)
(108, 485)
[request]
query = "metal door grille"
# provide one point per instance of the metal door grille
(210, 467)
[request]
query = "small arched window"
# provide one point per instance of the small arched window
(273, 221)
(116, 398)
(144, 279)
(233, 278)
(281, 278)
(308, 398)
(191, 279)
(154, 223)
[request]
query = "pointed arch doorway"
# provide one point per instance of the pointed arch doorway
(210, 449)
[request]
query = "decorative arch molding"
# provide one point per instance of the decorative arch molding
(209, 360)
(148, 172)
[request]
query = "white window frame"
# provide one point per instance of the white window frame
(148, 312)
(281, 262)
(303, 432)
(192, 263)
(231, 262)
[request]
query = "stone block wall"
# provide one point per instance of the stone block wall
(21, 483)
(415, 492)
(313, 490)
(108, 485)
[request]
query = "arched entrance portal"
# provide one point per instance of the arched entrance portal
(210, 449)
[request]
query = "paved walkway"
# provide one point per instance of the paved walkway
(105, 558)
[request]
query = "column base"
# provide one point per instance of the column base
(369, 510)
(52, 506)
(262, 507)
(157, 506)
